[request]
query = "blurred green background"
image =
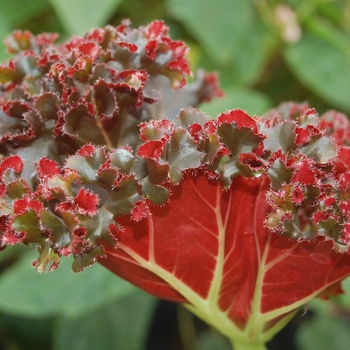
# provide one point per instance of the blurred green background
(266, 52)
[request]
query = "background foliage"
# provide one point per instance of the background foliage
(266, 51)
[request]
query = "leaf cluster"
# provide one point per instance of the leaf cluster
(74, 209)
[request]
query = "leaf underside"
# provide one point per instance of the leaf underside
(249, 273)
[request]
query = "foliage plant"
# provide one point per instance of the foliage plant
(243, 219)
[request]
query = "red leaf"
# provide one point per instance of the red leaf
(337, 125)
(47, 168)
(140, 211)
(45, 39)
(157, 28)
(11, 162)
(86, 202)
(304, 174)
(91, 50)
(151, 49)
(12, 238)
(131, 47)
(239, 117)
(9, 236)
(86, 150)
(209, 248)
(342, 162)
(303, 136)
(298, 195)
(151, 150)
(24, 204)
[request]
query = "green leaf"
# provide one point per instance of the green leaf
(25, 292)
(5, 30)
(44, 146)
(47, 259)
(221, 33)
(254, 103)
(189, 116)
(250, 55)
(56, 227)
(9, 75)
(242, 47)
(82, 261)
(16, 189)
(79, 123)
(28, 222)
(123, 197)
(157, 194)
(323, 66)
(279, 174)
(97, 225)
(182, 154)
(47, 105)
(122, 159)
(79, 16)
(321, 149)
(323, 333)
(104, 99)
(16, 11)
(239, 141)
(87, 166)
(27, 65)
(122, 324)
(281, 136)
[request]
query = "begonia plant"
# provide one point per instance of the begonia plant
(105, 157)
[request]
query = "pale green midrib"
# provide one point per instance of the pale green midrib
(255, 325)
(258, 319)
(214, 291)
(256, 322)
(199, 305)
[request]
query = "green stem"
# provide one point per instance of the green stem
(247, 346)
